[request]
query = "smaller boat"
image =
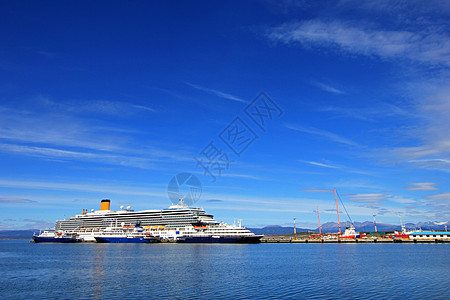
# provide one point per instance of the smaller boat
(404, 234)
(125, 235)
(52, 236)
(125, 239)
(221, 233)
(199, 238)
(350, 233)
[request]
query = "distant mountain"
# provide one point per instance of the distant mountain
(366, 226)
(369, 226)
(427, 226)
(276, 229)
(17, 234)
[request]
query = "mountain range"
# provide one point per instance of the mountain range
(366, 226)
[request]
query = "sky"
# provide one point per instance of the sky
(267, 105)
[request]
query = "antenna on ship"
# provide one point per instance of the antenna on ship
(401, 223)
(295, 230)
(375, 225)
(345, 209)
(318, 217)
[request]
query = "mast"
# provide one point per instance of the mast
(401, 224)
(318, 217)
(337, 209)
(295, 230)
(375, 225)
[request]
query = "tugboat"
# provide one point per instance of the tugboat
(52, 236)
(350, 233)
(404, 234)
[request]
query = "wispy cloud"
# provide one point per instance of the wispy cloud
(37, 224)
(316, 190)
(374, 198)
(217, 93)
(52, 153)
(62, 135)
(108, 107)
(142, 107)
(55, 129)
(327, 88)
(402, 200)
(421, 186)
(439, 197)
(432, 164)
(428, 133)
(320, 164)
(381, 111)
(15, 200)
(323, 133)
(105, 189)
(429, 46)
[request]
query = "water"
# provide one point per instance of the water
(262, 271)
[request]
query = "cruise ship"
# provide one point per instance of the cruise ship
(179, 223)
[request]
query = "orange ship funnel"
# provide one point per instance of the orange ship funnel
(104, 205)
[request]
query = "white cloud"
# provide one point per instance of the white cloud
(402, 200)
(323, 133)
(55, 129)
(320, 164)
(430, 134)
(65, 136)
(440, 197)
(37, 224)
(421, 186)
(374, 198)
(217, 93)
(424, 46)
(108, 107)
(327, 88)
(106, 189)
(316, 190)
(371, 113)
(58, 154)
(15, 200)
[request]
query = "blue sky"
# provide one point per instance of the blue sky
(111, 100)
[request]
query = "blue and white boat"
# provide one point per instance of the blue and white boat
(214, 233)
(52, 236)
(125, 235)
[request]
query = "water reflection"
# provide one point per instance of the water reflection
(98, 282)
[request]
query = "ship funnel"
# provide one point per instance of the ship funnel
(104, 205)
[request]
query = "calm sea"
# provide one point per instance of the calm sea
(263, 271)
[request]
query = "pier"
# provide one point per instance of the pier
(290, 239)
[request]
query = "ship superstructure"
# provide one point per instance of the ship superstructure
(175, 216)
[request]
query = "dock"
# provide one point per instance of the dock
(287, 239)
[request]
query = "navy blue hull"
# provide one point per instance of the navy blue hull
(38, 239)
(124, 240)
(222, 239)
